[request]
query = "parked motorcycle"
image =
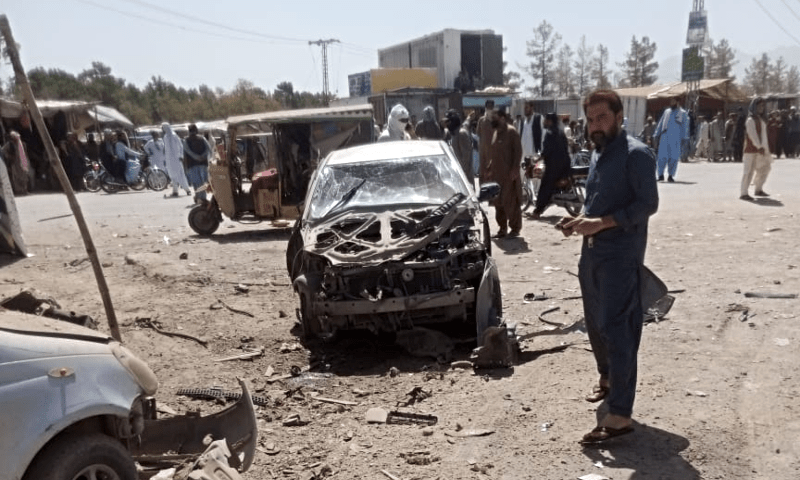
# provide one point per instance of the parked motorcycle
(91, 179)
(570, 192)
(156, 178)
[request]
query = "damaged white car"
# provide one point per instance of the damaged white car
(393, 236)
(78, 405)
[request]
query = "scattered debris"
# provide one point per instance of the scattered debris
(393, 372)
(427, 432)
(696, 393)
(156, 325)
(247, 355)
(472, 432)
(462, 364)
(217, 393)
(270, 371)
(36, 303)
(242, 288)
(769, 295)
(359, 393)
(417, 394)
(532, 297)
(294, 420)
(241, 312)
(499, 348)
(161, 408)
(282, 314)
(390, 475)
(396, 417)
(270, 449)
(376, 415)
(781, 342)
(213, 463)
(290, 347)
(546, 426)
(183, 256)
(549, 310)
(592, 476)
(333, 400)
(419, 457)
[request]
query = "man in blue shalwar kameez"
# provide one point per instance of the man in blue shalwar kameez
(672, 133)
(621, 195)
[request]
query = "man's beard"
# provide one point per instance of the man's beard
(601, 138)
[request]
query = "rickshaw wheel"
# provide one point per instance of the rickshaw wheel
(203, 220)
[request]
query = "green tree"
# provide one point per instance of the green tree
(600, 71)
(564, 80)
(583, 65)
(542, 50)
(792, 82)
(757, 76)
(720, 60)
(777, 78)
(639, 68)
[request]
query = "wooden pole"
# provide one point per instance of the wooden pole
(55, 163)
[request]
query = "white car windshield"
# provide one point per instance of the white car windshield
(416, 181)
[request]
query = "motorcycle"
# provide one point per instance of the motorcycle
(156, 178)
(569, 193)
(134, 179)
(91, 179)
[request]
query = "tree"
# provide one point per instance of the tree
(511, 79)
(600, 71)
(792, 82)
(720, 60)
(777, 78)
(284, 93)
(583, 65)
(565, 84)
(639, 68)
(757, 75)
(542, 50)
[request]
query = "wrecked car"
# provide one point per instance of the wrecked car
(393, 236)
(77, 404)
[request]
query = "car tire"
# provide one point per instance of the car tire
(82, 456)
(308, 322)
(203, 220)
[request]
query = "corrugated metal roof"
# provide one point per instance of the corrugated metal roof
(313, 114)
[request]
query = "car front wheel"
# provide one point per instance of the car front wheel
(83, 457)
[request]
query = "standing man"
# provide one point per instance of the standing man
(757, 157)
(173, 153)
(738, 135)
(793, 129)
(485, 133)
(428, 128)
(396, 123)
(197, 153)
(672, 131)
(702, 139)
(505, 152)
(461, 142)
(730, 127)
(154, 148)
(530, 131)
(716, 136)
(621, 195)
(555, 153)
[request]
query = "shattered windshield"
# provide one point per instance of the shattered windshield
(419, 181)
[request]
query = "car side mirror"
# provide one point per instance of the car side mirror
(489, 191)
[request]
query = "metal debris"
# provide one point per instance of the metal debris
(472, 432)
(241, 312)
(769, 295)
(156, 325)
(407, 418)
(247, 355)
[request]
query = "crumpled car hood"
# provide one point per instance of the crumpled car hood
(376, 237)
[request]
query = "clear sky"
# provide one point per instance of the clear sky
(194, 42)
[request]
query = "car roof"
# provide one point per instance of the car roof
(387, 150)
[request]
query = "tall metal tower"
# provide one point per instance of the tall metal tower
(324, 45)
(693, 62)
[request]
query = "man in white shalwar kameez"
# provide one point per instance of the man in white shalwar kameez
(173, 155)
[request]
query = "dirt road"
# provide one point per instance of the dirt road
(717, 396)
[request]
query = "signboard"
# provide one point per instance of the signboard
(360, 84)
(693, 65)
(388, 79)
(697, 35)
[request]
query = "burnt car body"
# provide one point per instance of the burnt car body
(393, 236)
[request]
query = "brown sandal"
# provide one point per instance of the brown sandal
(599, 392)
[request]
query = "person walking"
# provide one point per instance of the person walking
(757, 158)
(173, 155)
(730, 128)
(505, 153)
(716, 136)
(738, 135)
(621, 195)
(672, 131)
(555, 152)
(197, 152)
(154, 148)
(485, 133)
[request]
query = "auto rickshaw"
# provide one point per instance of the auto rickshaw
(296, 140)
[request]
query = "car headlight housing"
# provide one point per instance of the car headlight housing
(137, 368)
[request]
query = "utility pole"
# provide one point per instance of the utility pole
(324, 45)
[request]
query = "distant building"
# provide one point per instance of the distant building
(478, 53)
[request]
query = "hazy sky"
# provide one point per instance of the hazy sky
(218, 42)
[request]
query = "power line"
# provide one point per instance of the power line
(790, 9)
(213, 24)
(776, 22)
(169, 24)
